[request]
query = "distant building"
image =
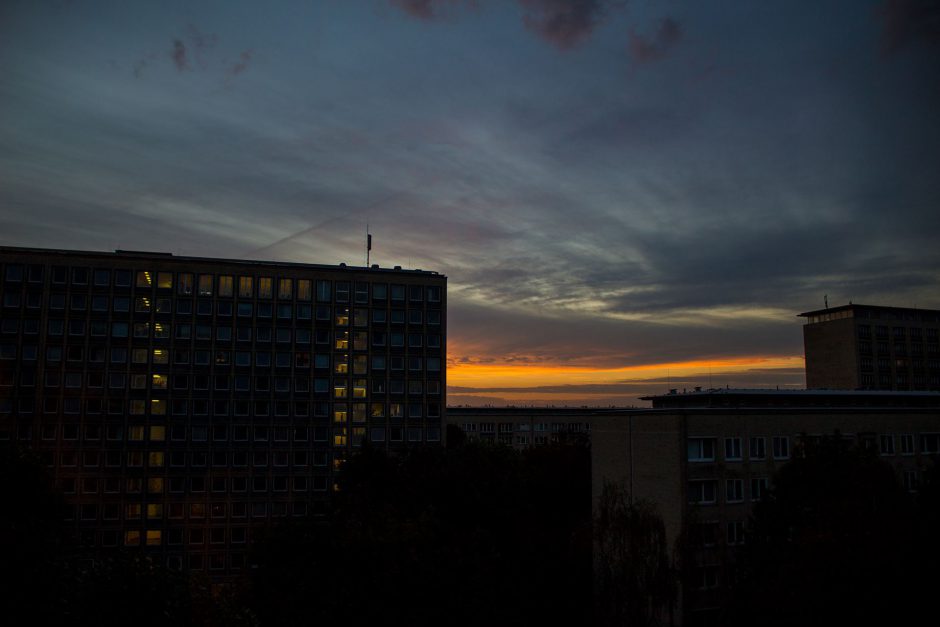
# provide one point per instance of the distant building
(704, 458)
(181, 402)
(864, 347)
(522, 427)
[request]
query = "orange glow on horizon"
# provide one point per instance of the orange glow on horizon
(532, 375)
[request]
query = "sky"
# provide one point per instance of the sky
(626, 196)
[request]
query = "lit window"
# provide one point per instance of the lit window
(144, 279)
(157, 433)
(132, 537)
(340, 413)
(245, 287)
(265, 287)
(285, 288)
(304, 289)
(164, 280)
(226, 286)
(205, 285)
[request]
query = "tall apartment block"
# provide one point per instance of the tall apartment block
(865, 347)
(183, 402)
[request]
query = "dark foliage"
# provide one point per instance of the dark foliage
(635, 581)
(465, 536)
(62, 583)
(837, 542)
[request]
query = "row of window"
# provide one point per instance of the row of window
(223, 310)
(197, 485)
(704, 449)
(341, 340)
(204, 407)
(898, 333)
(119, 380)
(523, 427)
(226, 286)
(221, 358)
(705, 491)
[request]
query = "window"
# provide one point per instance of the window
(304, 289)
(265, 287)
(144, 279)
(735, 532)
(285, 288)
(245, 287)
(701, 449)
(907, 444)
(205, 285)
(734, 490)
(184, 286)
(758, 488)
(226, 286)
(757, 448)
(930, 443)
(781, 444)
(732, 449)
(886, 444)
(702, 492)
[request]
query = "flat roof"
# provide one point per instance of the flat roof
(163, 256)
(853, 306)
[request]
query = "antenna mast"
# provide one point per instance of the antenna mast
(368, 245)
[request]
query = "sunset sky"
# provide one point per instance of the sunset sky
(626, 196)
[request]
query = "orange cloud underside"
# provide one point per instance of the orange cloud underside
(528, 375)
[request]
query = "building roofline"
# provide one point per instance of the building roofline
(793, 393)
(140, 254)
(855, 306)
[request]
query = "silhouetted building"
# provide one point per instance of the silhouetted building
(181, 402)
(704, 458)
(522, 427)
(864, 347)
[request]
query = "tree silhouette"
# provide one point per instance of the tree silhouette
(635, 582)
(836, 542)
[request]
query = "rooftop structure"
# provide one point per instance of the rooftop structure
(867, 347)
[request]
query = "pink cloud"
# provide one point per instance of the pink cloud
(242, 64)
(178, 55)
(652, 48)
(564, 23)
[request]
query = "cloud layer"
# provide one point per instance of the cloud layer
(672, 200)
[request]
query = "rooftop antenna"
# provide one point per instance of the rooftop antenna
(826, 300)
(368, 245)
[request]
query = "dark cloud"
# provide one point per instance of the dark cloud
(428, 9)
(242, 64)
(564, 23)
(905, 22)
(201, 44)
(644, 49)
(178, 55)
